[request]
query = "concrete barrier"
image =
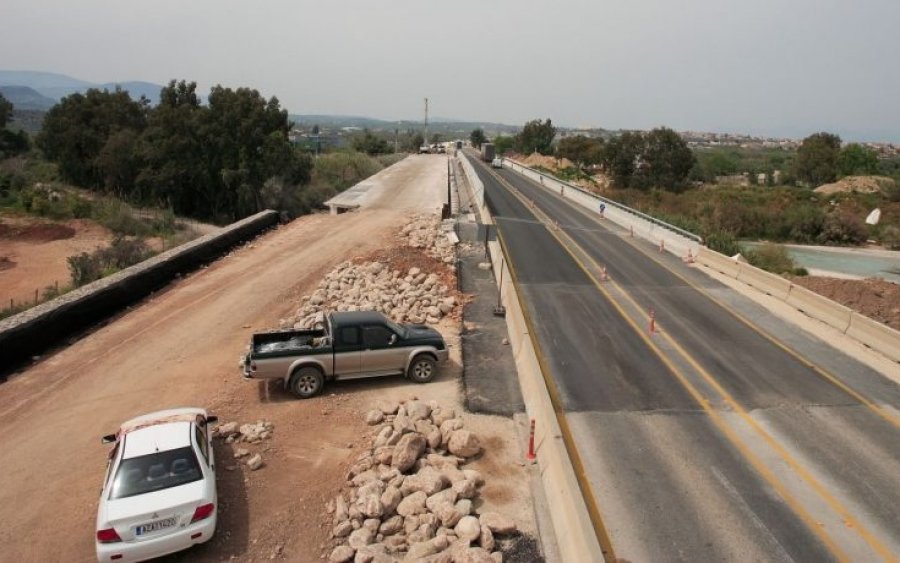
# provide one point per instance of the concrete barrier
(719, 262)
(575, 534)
(875, 335)
(31, 332)
(767, 282)
(819, 307)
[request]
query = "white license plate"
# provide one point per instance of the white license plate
(154, 526)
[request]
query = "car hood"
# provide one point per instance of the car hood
(422, 332)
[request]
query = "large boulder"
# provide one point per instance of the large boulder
(413, 504)
(408, 450)
(468, 528)
(390, 499)
(463, 443)
(498, 523)
(361, 538)
(341, 554)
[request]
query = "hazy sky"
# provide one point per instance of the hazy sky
(778, 67)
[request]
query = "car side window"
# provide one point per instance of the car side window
(202, 443)
(377, 336)
(350, 335)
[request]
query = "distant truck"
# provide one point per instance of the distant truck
(497, 163)
(351, 345)
(487, 152)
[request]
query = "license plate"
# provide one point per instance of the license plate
(154, 526)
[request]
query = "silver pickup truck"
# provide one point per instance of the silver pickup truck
(351, 345)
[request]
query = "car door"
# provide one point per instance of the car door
(382, 353)
(347, 351)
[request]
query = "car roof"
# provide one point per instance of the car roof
(356, 317)
(158, 437)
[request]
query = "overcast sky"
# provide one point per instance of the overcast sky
(777, 67)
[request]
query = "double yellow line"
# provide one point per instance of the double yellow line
(719, 422)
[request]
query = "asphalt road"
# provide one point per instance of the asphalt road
(710, 441)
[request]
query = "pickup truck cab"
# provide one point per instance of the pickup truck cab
(350, 345)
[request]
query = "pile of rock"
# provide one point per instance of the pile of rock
(252, 433)
(429, 233)
(412, 296)
(408, 497)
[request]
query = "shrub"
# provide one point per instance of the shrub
(120, 254)
(723, 242)
(843, 228)
(890, 237)
(772, 258)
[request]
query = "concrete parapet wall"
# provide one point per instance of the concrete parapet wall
(33, 331)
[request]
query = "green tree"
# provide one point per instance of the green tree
(503, 143)
(171, 148)
(477, 138)
(581, 150)
(536, 136)
(621, 155)
(413, 142)
(665, 161)
(6, 109)
(11, 143)
(370, 143)
(817, 159)
(856, 159)
(77, 128)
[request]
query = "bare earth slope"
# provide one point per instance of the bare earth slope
(181, 348)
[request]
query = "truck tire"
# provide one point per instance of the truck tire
(422, 369)
(306, 382)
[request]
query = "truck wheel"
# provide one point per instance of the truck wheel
(422, 369)
(306, 382)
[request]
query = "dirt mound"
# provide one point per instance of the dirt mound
(548, 162)
(873, 297)
(39, 232)
(862, 184)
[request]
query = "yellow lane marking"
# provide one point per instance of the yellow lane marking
(828, 376)
(767, 474)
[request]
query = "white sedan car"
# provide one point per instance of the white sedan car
(159, 495)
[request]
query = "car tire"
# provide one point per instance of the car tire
(422, 369)
(306, 382)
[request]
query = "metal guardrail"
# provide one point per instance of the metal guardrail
(611, 203)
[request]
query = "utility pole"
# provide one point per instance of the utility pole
(425, 133)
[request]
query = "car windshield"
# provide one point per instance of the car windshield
(154, 472)
(401, 331)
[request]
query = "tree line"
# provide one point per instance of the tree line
(209, 161)
(660, 158)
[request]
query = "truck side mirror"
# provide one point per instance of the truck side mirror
(108, 439)
(212, 419)
(393, 339)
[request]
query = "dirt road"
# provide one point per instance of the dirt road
(180, 348)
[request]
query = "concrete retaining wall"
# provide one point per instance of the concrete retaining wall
(33, 331)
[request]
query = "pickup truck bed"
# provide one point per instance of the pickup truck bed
(286, 343)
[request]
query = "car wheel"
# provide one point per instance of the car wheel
(422, 369)
(307, 382)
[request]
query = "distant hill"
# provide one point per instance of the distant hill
(444, 126)
(25, 98)
(56, 86)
